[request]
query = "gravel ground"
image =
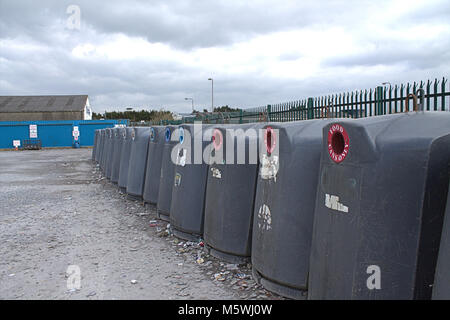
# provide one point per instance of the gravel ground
(57, 211)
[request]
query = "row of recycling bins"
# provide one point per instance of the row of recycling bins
(330, 208)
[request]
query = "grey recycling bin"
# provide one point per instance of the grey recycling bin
(284, 206)
(125, 159)
(106, 149)
(119, 140)
(99, 145)
(380, 206)
(94, 148)
(189, 184)
(230, 192)
(138, 162)
(102, 147)
(153, 171)
(102, 155)
(167, 174)
(109, 162)
(441, 287)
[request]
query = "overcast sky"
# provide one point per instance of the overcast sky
(155, 53)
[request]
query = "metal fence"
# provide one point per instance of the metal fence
(429, 95)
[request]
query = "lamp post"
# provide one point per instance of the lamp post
(134, 116)
(212, 94)
(192, 100)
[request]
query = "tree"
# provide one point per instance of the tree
(142, 115)
(226, 109)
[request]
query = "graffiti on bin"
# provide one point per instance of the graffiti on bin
(265, 218)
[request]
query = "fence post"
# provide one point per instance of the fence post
(310, 112)
(379, 100)
(269, 110)
(240, 115)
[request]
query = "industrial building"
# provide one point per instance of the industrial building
(39, 108)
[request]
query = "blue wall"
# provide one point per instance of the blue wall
(53, 133)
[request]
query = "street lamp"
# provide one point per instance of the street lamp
(192, 100)
(212, 94)
(134, 115)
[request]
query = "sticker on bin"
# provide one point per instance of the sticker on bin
(181, 157)
(269, 167)
(332, 202)
(177, 179)
(338, 143)
(216, 173)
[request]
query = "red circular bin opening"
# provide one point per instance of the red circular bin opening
(338, 143)
(270, 140)
(217, 139)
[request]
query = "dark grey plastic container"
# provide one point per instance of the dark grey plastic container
(102, 147)
(94, 148)
(106, 150)
(441, 287)
(138, 162)
(380, 206)
(153, 171)
(167, 174)
(189, 185)
(230, 192)
(284, 206)
(125, 159)
(98, 143)
(112, 151)
(119, 140)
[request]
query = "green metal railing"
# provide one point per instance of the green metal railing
(429, 95)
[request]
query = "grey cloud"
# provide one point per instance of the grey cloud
(417, 54)
(436, 11)
(182, 24)
(139, 82)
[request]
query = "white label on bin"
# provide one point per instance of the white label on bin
(269, 167)
(216, 173)
(333, 203)
(181, 157)
(264, 218)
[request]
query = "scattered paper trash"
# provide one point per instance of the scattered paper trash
(219, 277)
